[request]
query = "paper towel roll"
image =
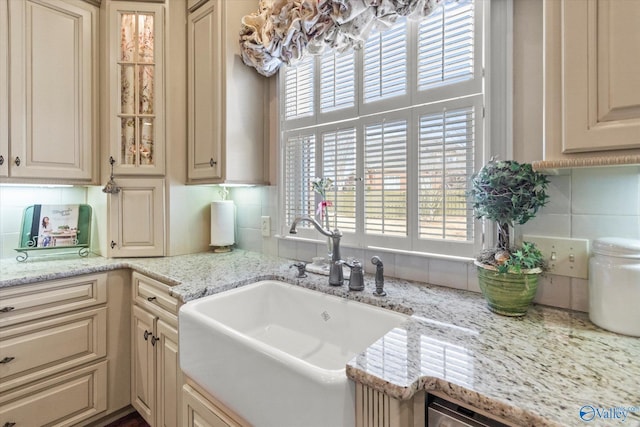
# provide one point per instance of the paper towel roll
(223, 223)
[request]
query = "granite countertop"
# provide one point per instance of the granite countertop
(539, 370)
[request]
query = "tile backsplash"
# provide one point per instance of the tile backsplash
(584, 203)
(14, 199)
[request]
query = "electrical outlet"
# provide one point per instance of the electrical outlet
(566, 257)
(266, 226)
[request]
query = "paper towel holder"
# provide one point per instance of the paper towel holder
(223, 213)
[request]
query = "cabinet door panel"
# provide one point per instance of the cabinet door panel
(52, 105)
(205, 92)
(143, 364)
(4, 89)
(169, 376)
(198, 412)
(137, 218)
(592, 77)
(136, 87)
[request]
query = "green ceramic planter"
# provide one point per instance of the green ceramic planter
(506, 293)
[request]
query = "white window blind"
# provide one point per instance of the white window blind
(385, 176)
(446, 164)
(299, 89)
(446, 45)
(398, 127)
(385, 64)
(337, 81)
(339, 164)
(299, 172)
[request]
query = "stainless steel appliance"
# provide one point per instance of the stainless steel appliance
(442, 413)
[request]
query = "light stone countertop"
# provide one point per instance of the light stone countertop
(535, 371)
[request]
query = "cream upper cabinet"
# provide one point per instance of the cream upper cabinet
(226, 99)
(52, 80)
(136, 218)
(135, 87)
(592, 78)
(4, 88)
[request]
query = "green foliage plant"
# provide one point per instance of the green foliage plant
(509, 193)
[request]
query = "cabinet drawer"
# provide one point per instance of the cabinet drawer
(150, 292)
(29, 302)
(35, 350)
(63, 400)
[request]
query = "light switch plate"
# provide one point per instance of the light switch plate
(266, 226)
(566, 257)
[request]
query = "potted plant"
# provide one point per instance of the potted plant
(508, 193)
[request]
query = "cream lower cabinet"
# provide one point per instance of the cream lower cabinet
(52, 58)
(156, 378)
(201, 411)
(592, 78)
(56, 364)
(136, 218)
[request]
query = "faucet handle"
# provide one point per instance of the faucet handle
(356, 279)
(379, 277)
(301, 266)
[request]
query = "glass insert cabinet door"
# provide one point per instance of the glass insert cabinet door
(136, 84)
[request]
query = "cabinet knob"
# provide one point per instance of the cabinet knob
(146, 335)
(113, 244)
(1, 160)
(7, 359)
(154, 340)
(212, 162)
(151, 298)
(6, 309)
(17, 161)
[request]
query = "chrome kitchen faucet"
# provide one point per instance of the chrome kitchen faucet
(336, 276)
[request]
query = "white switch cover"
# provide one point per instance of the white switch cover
(566, 257)
(266, 226)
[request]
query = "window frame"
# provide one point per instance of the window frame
(495, 93)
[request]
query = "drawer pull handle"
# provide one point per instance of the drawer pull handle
(6, 309)
(9, 424)
(154, 340)
(7, 359)
(151, 298)
(146, 335)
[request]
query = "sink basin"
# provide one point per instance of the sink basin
(275, 353)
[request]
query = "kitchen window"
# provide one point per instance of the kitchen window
(398, 127)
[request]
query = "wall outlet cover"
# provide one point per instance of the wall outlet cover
(266, 226)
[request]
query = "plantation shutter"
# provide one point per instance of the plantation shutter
(445, 166)
(299, 170)
(448, 56)
(385, 175)
(337, 81)
(339, 164)
(385, 64)
(299, 89)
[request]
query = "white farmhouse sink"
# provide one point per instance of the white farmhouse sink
(276, 353)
